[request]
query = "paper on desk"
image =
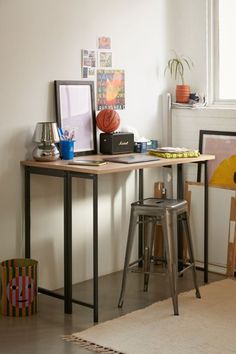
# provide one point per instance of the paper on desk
(173, 149)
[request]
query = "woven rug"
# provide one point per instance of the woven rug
(204, 326)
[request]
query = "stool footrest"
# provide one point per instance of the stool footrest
(186, 268)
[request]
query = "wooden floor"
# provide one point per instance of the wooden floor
(41, 333)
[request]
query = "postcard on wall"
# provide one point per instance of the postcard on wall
(105, 59)
(88, 73)
(88, 58)
(110, 89)
(88, 63)
(104, 42)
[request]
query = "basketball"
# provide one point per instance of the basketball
(108, 120)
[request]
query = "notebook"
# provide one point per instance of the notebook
(87, 162)
(132, 158)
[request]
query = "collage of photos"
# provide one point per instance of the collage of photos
(97, 65)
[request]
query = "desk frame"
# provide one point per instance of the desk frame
(67, 176)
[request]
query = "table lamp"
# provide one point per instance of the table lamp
(46, 135)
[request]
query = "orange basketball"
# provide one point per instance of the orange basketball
(108, 120)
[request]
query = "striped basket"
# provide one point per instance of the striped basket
(18, 287)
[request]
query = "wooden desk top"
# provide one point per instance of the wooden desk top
(112, 167)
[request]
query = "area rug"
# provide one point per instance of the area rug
(204, 326)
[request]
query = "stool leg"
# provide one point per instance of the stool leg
(187, 230)
(132, 225)
(148, 247)
(168, 232)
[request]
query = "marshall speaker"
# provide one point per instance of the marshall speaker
(116, 143)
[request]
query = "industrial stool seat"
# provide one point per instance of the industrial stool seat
(167, 212)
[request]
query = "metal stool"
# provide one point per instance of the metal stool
(167, 212)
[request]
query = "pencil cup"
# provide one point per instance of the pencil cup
(67, 149)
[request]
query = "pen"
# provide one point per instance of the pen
(60, 132)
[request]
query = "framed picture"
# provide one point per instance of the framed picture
(110, 89)
(222, 209)
(222, 144)
(75, 111)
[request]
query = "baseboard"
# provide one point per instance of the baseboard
(213, 268)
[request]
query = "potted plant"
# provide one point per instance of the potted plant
(176, 66)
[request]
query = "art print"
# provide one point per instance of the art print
(110, 89)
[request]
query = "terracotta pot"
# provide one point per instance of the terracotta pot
(182, 93)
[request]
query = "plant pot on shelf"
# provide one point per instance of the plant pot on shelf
(182, 93)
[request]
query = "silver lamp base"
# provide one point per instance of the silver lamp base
(45, 153)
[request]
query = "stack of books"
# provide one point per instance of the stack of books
(173, 152)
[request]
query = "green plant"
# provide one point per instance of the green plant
(176, 66)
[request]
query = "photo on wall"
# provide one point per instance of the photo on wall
(105, 59)
(88, 63)
(104, 42)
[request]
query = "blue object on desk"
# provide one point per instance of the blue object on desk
(154, 144)
(145, 146)
(67, 149)
(140, 146)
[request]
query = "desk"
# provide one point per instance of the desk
(62, 169)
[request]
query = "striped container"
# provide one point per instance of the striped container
(18, 287)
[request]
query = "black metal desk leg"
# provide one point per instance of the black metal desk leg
(180, 195)
(95, 248)
(27, 213)
(205, 222)
(68, 242)
(180, 191)
(140, 226)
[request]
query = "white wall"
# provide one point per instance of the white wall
(41, 41)
(187, 36)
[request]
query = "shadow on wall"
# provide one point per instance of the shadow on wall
(119, 213)
(28, 143)
(50, 270)
(16, 146)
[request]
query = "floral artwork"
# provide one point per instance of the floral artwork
(110, 89)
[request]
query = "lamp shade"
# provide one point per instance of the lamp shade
(46, 132)
(46, 136)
